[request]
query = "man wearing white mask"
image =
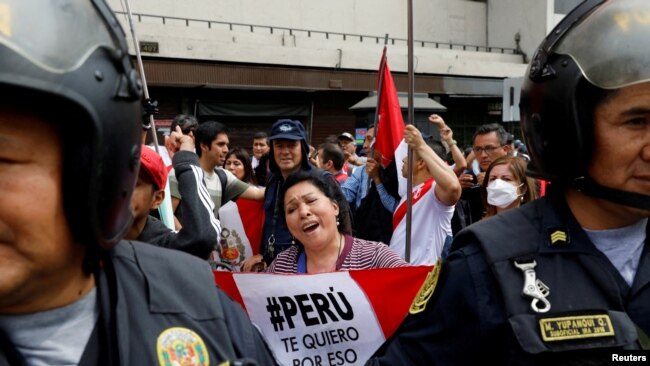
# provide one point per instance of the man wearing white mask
(507, 185)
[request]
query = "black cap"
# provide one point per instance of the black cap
(287, 129)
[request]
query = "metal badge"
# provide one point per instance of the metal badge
(534, 288)
(181, 346)
(270, 249)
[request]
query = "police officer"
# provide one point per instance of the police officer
(70, 130)
(564, 279)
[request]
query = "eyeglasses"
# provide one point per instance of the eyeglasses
(488, 149)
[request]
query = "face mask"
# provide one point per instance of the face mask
(501, 193)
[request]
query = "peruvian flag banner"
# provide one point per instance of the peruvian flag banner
(241, 232)
(331, 318)
(390, 129)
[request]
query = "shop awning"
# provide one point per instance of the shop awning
(421, 102)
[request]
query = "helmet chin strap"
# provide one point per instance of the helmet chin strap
(591, 188)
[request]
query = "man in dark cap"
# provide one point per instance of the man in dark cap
(289, 152)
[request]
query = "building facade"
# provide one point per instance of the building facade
(249, 62)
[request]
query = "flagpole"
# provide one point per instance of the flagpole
(375, 121)
(409, 179)
(382, 66)
(138, 55)
(165, 209)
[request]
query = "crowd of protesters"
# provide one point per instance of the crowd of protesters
(250, 213)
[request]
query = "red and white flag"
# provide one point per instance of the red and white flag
(390, 129)
(332, 318)
(389, 139)
(241, 232)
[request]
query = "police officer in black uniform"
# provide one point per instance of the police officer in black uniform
(70, 134)
(564, 279)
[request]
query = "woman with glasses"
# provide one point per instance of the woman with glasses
(490, 142)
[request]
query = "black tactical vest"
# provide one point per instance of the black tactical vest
(589, 307)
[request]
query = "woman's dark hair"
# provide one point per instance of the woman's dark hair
(326, 183)
(242, 155)
(262, 170)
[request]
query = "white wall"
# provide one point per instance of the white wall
(434, 20)
(529, 18)
(452, 21)
(347, 16)
(448, 21)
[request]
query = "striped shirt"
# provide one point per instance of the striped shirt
(357, 254)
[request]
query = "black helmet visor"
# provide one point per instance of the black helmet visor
(611, 45)
(68, 32)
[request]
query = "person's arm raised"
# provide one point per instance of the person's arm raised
(447, 136)
(448, 188)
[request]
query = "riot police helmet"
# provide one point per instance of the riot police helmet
(68, 61)
(599, 47)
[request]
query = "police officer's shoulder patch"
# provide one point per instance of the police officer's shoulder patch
(424, 294)
(181, 346)
(558, 236)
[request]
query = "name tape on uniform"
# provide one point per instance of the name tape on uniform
(576, 327)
